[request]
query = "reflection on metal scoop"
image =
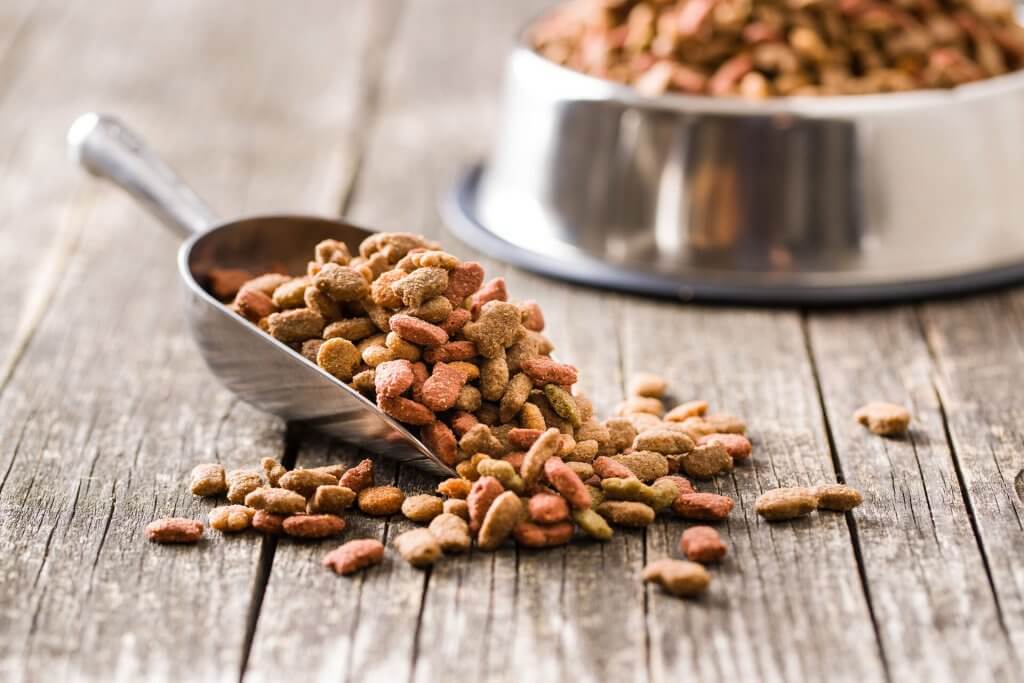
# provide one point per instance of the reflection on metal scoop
(256, 367)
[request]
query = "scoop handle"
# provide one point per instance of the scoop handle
(108, 149)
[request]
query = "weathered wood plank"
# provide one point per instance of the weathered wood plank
(788, 603)
(931, 596)
(106, 405)
(978, 345)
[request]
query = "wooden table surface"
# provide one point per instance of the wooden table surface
(370, 108)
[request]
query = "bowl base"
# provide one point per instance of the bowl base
(458, 211)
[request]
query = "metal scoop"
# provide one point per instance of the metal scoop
(255, 366)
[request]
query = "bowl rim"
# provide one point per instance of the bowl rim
(573, 84)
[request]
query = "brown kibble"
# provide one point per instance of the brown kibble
(305, 482)
(208, 480)
(537, 536)
(702, 544)
(295, 325)
(703, 506)
(786, 503)
(268, 523)
(886, 419)
(481, 496)
(626, 513)
(225, 282)
(621, 433)
(736, 445)
(502, 516)
(547, 508)
(313, 526)
(480, 439)
(648, 385)
(341, 283)
(422, 508)
(707, 461)
(272, 470)
(583, 452)
(495, 329)
(421, 285)
(567, 482)
(358, 477)
(645, 465)
(174, 530)
(339, 357)
(664, 441)
(494, 377)
(381, 501)
(231, 518)
(241, 483)
(548, 445)
(679, 577)
(451, 532)
(686, 410)
(353, 329)
(254, 304)
(331, 499)
(321, 304)
(458, 507)
(682, 484)
(291, 294)
(455, 488)
(517, 391)
(418, 547)
(641, 404)
(350, 557)
(276, 500)
(532, 316)
(838, 497)
(332, 251)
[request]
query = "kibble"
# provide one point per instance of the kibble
(381, 501)
(418, 547)
(451, 532)
(208, 480)
(174, 530)
(886, 419)
(231, 518)
(786, 503)
(838, 497)
(353, 556)
(681, 578)
(422, 508)
(702, 544)
(313, 526)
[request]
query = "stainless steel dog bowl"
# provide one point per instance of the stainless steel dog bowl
(793, 200)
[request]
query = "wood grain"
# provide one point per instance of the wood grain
(105, 404)
(784, 586)
(934, 605)
(978, 346)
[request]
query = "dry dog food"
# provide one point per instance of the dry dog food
(350, 557)
(381, 500)
(887, 419)
(768, 48)
(787, 503)
(418, 547)
(702, 544)
(231, 518)
(174, 530)
(678, 577)
(838, 497)
(208, 480)
(313, 526)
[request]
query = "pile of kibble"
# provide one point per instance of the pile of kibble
(420, 332)
(764, 48)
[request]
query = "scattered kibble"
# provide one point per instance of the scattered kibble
(679, 577)
(786, 503)
(353, 556)
(886, 419)
(174, 530)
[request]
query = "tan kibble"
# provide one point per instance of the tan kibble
(291, 294)
(502, 516)
(422, 508)
(332, 251)
(886, 419)
(401, 348)
(707, 461)
(679, 577)
(457, 507)
(305, 482)
(339, 357)
(208, 480)
(272, 470)
(420, 285)
(547, 446)
(641, 404)
(174, 530)
(646, 465)
(687, 410)
(295, 325)
(786, 503)
(331, 499)
(241, 483)
(621, 433)
(494, 378)
(664, 441)
(648, 385)
(516, 393)
(454, 488)
(381, 500)
(277, 501)
(838, 497)
(451, 532)
(341, 283)
(231, 518)
(353, 329)
(583, 470)
(418, 547)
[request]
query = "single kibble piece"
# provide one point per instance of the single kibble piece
(305, 482)
(483, 494)
(359, 477)
(707, 461)
(592, 524)
(664, 441)
(786, 503)
(350, 557)
(547, 508)
(451, 532)
(208, 480)
(313, 526)
(295, 325)
(272, 470)
(422, 508)
(626, 513)
(231, 518)
(502, 517)
(381, 501)
(838, 497)
(645, 465)
(702, 544)
(641, 404)
(418, 547)
(709, 507)
(887, 419)
(457, 507)
(736, 445)
(455, 488)
(241, 483)
(546, 446)
(339, 357)
(567, 483)
(543, 536)
(277, 501)
(331, 499)
(679, 577)
(687, 410)
(268, 523)
(647, 384)
(174, 530)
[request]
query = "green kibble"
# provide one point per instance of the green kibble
(626, 489)
(563, 403)
(596, 495)
(503, 472)
(593, 524)
(663, 494)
